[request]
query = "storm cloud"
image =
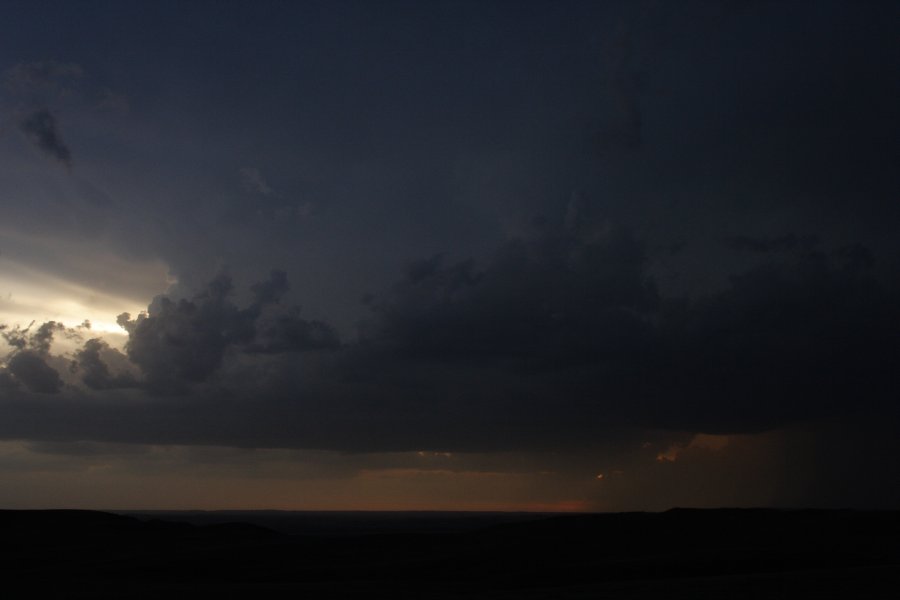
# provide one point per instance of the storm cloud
(560, 337)
(560, 230)
(92, 363)
(176, 343)
(27, 364)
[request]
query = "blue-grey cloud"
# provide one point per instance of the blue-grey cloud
(177, 343)
(254, 182)
(560, 337)
(92, 363)
(727, 263)
(780, 243)
(27, 364)
(41, 128)
(33, 372)
(41, 79)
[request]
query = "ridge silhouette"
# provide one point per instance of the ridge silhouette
(701, 553)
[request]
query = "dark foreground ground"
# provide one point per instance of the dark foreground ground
(677, 554)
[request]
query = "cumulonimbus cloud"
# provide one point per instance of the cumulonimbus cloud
(558, 338)
(181, 342)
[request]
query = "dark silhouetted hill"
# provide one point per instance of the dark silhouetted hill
(681, 553)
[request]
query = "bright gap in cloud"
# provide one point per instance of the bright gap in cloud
(38, 291)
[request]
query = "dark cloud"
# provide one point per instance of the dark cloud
(36, 78)
(176, 343)
(786, 341)
(7, 382)
(95, 372)
(113, 102)
(41, 340)
(555, 299)
(34, 373)
(288, 332)
(42, 129)
(730, 265)
(857, 256)
(254, 182)
(558, 340)
(86, 448)
(271, 290)
(420, 269)
(15, 337)
(782, 243)
(184, 341)
(624, 124)
(27, 363)
(38, 340)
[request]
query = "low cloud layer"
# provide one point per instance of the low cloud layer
(562, 338)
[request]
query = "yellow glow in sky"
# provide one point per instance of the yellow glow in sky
(86, 282)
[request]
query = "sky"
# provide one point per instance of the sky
(553, 256)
